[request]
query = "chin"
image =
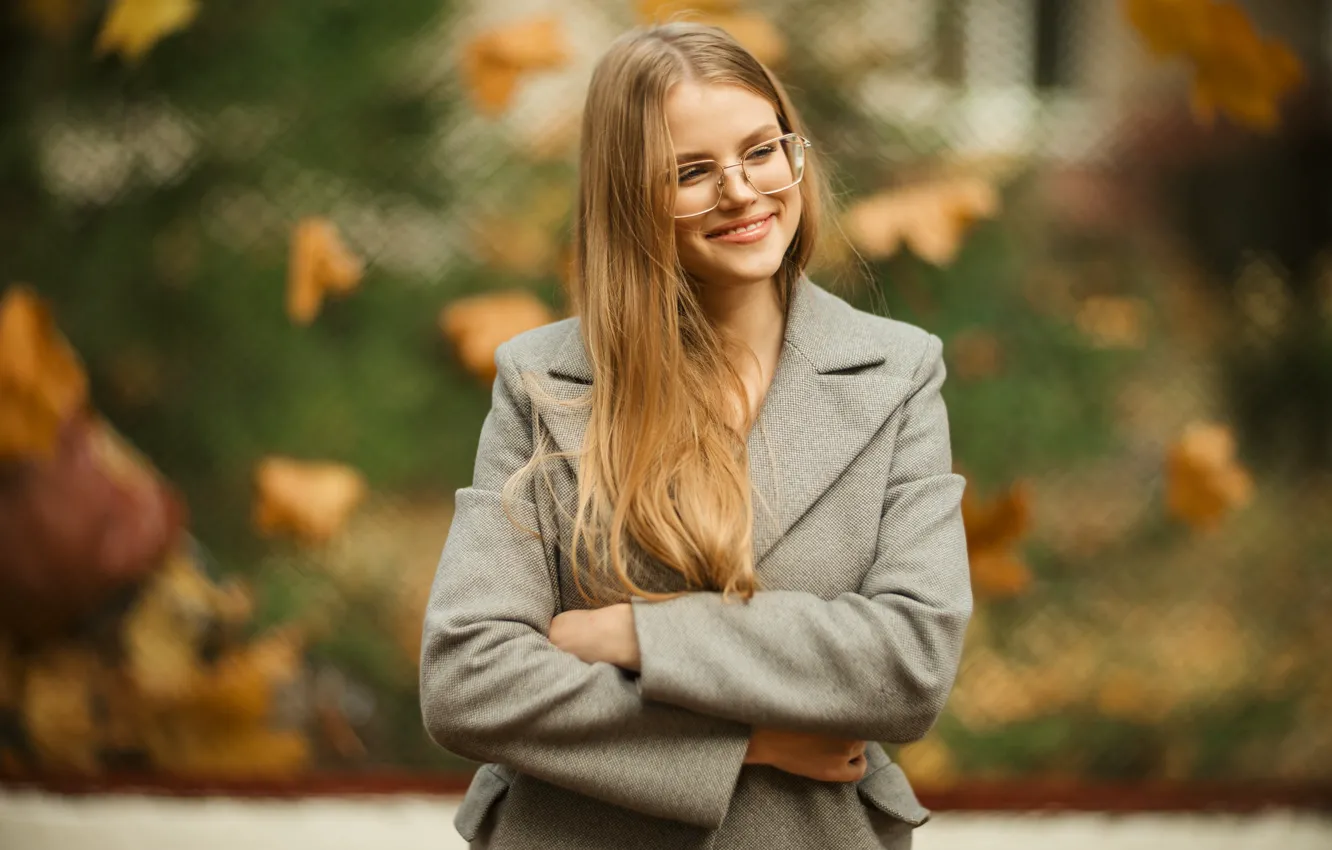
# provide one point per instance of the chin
(737, 270)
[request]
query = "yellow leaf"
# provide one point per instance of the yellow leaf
(1169, 27)
(754, 32)
(310, 501)
(930, 218)
(163, 633)
(242, 683)
(1240, 74)
(1236, 71)
(479, 324)
(42, 382)
(993, 529)
(493, 61)
(58, 710)
(132, 27)
(1204, 482)
(320, 263)
(998, 574)
(652, 11)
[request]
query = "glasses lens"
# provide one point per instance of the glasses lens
(775, 165)
(696, 187)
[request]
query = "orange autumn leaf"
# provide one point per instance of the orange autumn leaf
(42, 382)
(1240, 74)
(753, 31)
(494, 61)
(652, 11)
(993, 530)
(132, 27)
(241, 684)
(1236, 71)
(309, 501)
(57, 708)
(998, 574)
(319, 264)
(1170, 27)
(163, 634)
(931, 219)
(1204, 481)
(477, 325)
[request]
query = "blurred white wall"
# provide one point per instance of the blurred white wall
(31, 821)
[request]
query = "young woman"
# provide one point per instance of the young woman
(712, 553)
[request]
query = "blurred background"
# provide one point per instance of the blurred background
(255, 259)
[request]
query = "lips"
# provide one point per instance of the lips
(744, 222)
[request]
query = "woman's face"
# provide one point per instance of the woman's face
(721, 122)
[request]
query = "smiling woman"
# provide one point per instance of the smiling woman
(712, 554)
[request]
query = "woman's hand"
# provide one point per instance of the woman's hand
(602, 634)
(813, 756)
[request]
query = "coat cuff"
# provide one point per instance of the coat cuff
(663, 659)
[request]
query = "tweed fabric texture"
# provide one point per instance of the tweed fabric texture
(856, 631)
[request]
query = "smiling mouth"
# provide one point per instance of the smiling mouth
(748, 226)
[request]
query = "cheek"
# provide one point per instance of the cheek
(794, 209)
(690, 244)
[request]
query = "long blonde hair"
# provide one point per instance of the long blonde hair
(663, 470)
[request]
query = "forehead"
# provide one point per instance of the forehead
(714, 117)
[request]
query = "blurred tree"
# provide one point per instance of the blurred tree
(152, 170)
(153, 203)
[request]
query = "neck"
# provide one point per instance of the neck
(750, 314)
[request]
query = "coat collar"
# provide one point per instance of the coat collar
(825, 403)
(819, 325)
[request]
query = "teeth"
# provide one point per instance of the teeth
(755, 226)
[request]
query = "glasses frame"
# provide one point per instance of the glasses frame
(721, 176)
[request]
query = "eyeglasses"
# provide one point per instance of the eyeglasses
(769, 167)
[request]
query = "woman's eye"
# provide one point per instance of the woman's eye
(691, 173)
(762, 152)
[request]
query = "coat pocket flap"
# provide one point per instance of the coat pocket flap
(889, 791)
(487, 786)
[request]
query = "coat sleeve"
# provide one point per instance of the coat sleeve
(493, 687)
(873, 665)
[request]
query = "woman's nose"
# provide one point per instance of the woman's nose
(735, 189)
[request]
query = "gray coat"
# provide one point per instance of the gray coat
(856, 633)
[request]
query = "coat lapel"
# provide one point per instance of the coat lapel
(824, 405)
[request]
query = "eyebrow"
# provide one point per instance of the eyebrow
(758, 135)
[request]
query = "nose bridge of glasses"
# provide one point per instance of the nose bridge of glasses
(743, 183)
